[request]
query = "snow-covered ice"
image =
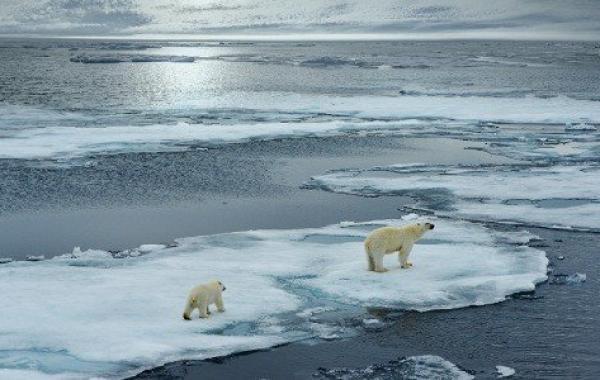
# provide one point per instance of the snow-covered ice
(88, 313)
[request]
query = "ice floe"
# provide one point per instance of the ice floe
(414, 367)
(504, 371)
(88, 313)
(71, 142)
(119, 58)
(555, 196)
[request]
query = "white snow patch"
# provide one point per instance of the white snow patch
(97, 315)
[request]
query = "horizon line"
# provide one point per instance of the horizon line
(324, 37)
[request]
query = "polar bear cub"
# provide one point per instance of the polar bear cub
(203, 295)
(386, 240)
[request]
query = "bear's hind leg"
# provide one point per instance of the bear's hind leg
(189, 307)
(203, 308)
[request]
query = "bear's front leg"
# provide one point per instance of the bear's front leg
(203, 309)
(378, 259)
(371, 265)
(403, 257)
(219, 303)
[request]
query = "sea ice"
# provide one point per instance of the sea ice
(44, 134)
(35, 258)
(119, 58)
(556, 196)
(89, 314)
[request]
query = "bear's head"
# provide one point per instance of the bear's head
(427, 226)
(221, 286)
(422, 227)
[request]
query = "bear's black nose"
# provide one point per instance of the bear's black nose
(431, 226)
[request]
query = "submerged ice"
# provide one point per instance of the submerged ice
(414, 367)
(88, 313)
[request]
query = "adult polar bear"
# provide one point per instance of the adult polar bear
(386, 240)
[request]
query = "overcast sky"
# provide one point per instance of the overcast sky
(566, 19)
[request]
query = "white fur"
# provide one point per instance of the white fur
(386, 240)
(202, 296)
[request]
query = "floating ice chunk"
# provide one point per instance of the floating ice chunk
(77, 253)
(503, 61)
(147, 248)
(414, 367)
(504, 371)
(35, 258)
(5, 260)
(98, 59)
(104, 316)
(580, 127)
(373, 324)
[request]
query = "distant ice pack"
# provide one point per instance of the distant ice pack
(31, 133)
(88, 313)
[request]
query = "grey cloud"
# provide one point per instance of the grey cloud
(83, 16)
(292, 16)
